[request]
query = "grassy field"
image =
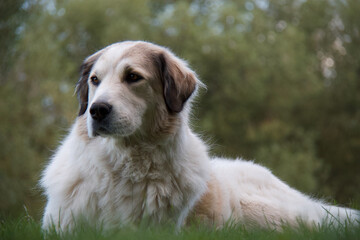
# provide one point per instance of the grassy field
(28, 228)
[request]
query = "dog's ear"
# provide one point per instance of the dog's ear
(179, 82)
(82, 88)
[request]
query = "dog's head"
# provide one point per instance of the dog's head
(133, 87)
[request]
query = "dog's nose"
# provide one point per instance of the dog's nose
(99, 110)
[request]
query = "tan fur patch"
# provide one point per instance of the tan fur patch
(165, 124)
(208, 208)
(82, 127)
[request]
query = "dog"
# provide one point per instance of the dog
(131, 155)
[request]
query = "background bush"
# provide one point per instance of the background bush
(283, 82)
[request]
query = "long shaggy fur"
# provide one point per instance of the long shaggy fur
(143, 160)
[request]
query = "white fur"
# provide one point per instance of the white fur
(113, 189)
(107, 181)
(254, 196)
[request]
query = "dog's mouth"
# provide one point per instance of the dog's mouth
(111, 130)
(102, 128)
(101, 131)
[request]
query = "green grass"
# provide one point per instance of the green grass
(28, 228)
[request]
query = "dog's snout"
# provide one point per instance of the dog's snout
(100, 110)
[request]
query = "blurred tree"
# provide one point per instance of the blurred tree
(339, 116)
(12, 15)
(282, 77)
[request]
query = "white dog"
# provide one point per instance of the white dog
(131, 155)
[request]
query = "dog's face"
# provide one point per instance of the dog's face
(133, 87)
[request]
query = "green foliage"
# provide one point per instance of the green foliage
(12, 15)
(282, 82)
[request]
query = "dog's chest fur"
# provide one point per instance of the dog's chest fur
(135, 183)
(112, 183)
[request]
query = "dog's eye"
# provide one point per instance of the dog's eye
(95, 80)
(132, 77)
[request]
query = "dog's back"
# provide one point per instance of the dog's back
(244, 192)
